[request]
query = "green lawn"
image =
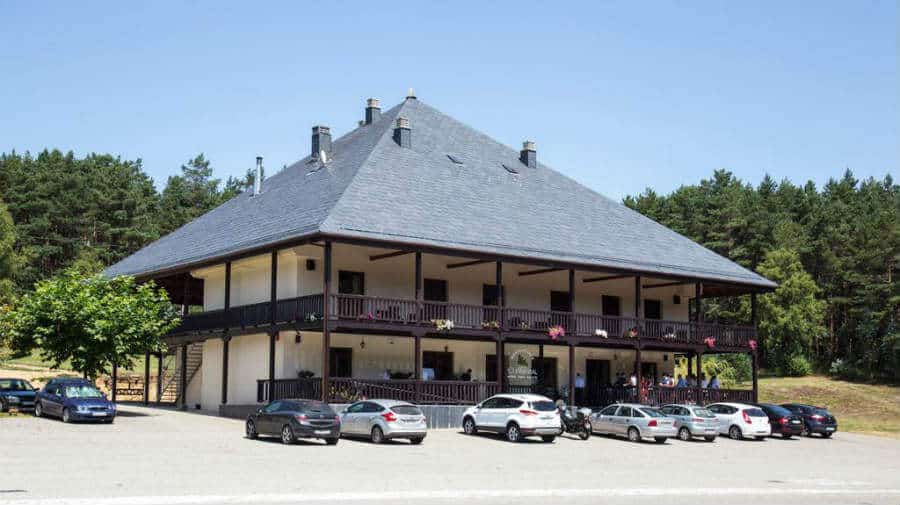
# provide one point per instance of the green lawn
(862, 408)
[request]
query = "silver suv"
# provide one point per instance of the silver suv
(693, 421)
(515, 416)
(380, 420)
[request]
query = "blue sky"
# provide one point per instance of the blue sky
(618, 95)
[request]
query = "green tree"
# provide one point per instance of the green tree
(7, 254)
(191, 194)
(92, 321)
(791, 316)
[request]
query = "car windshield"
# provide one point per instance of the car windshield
(652, 412)
(755, 413)
(703, 413)
(779, 411)
(543, 406)
(822, 412)
(317, 407)
(14, 385)
(406, 410)
(82, 391)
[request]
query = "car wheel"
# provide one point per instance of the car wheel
(38, 410)
(760, 438)
(786, 436)
(3, 406)
(709, 439)
(659, 440)
(548, 439)
(826, 435)
(332, 441)
(377, 435)
(634, 435)
(469, 426)
(513, 434)
(109, 420)
(287, 435)
(805, 432)
(735, 433)
(684, 434)
(252, 434)
(416, 440)
(66, 416)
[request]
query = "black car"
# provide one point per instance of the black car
(783, 421)
(293, 419)
(16, 394)
(815, 419)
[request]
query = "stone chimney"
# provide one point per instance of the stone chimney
(402, 133)
(528, 154)
(321, 140)
(373, 110)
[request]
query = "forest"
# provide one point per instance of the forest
(833, 250)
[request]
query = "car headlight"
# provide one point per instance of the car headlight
(12, 399)
(81, 408)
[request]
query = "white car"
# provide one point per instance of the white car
(515, 416)
(739, 421)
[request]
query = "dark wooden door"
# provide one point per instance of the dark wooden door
(340, 361)
(435, 291)
(596, 380)
(648, 371)
(440, 362)
(545, 372)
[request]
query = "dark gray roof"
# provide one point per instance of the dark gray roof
(372, 188)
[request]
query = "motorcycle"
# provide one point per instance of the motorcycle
(575, 421)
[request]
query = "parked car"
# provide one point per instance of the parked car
(635, 421)
(16, 393)
(380, 420)
(815, 419)
(515, 415)
(693, 421)
(292, 419)
(739, 421)
(76, 400)
(783, 421)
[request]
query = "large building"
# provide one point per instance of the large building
(403, 258)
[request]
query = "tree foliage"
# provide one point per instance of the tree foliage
(92, 322)
(7, 254)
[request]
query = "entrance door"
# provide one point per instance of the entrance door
(490, 298)
(545, 372)
(648, 371)
(435, 291)
(597, 379)
(340, 362)
(440, 362)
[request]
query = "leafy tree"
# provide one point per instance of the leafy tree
(93, 322)
(7, 254)
(791, 316)
(191, 194)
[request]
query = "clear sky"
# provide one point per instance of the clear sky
(618, 95)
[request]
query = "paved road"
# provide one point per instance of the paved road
(152, 456)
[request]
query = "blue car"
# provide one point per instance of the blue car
(16, 394)
(74, 400)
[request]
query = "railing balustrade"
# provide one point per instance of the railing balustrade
(426, 392)
(257, 314)
(305, 388)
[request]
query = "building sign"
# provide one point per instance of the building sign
(519, 372)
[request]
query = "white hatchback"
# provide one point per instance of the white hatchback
(515, 416)
(739, 421)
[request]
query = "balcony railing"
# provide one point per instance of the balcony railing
(399, 311)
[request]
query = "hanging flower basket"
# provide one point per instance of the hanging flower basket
(490, 325)
(752, 344)
(556, 332)
(367, 316)
(632, 333)
(710, 342)
(442, 324)
(601, 333)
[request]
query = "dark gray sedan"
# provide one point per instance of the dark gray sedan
(293, 419)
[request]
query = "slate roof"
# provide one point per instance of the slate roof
(374, 189)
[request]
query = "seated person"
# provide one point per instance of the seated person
(466, 376)
(428, 374)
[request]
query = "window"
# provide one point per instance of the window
(356, 408)
(652, 309)
(272, 407)
(611, 305)
(351, 283)
(559, 301)
(435, 290)
(715, 409)
(624, 412)
(648, 413)
(703, 413)
(371, 408)
(609, 411)
(670, 411)
(491, 403)
(543, 406)
(406, 410)
(340, 362)
(489, 295)
(510, 403)
(440, 362)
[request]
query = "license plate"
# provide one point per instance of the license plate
(795, 422)
(829, 429)
(323, 432)
(546, 417)
(98, 414)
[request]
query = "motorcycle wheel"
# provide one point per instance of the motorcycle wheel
(584, 434)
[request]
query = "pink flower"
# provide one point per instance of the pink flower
(710, 342)
(556, 332)
(752, 344)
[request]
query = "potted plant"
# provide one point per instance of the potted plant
(442, 324)
(556, 332)
(601, 333)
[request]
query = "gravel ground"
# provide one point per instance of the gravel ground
(154, 456)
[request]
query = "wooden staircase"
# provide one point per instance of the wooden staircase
(172, 386)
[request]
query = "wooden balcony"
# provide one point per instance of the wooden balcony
(397, 313)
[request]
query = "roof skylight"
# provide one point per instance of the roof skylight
(510, 169)
(454, 159)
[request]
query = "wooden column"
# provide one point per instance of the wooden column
(699, 371)
(326, 331)
(273, 288)
(572, 328)
(227, 285)
(417, 346)
(637, 373)
(225, 341)
(500, 298)
(754, 353)
(115, 377)
(146, 378)
(419, 282)
(638, 302)
(571, 374)
(755, 366)
(698, 302)
(159, 376)
(183, 382)
(540, 350)
(499, 353)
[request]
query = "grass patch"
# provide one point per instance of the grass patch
(862, 408)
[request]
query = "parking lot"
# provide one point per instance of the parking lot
(154, 456)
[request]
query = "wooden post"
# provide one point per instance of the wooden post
(571, 373)
(698, 302)
(499, 353)
(183, 381)
(755, 366)
(273, 285)
(225, 341)
(419, 293)
(115, 377)
(227, 285)
(697, 377)
(500, 301)
(754, 354)
(272, 336)
(572, 328)
(159, 376)
(418, 363)
(637, 373)
(326, 331)
(638, 303)
(146, 378)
